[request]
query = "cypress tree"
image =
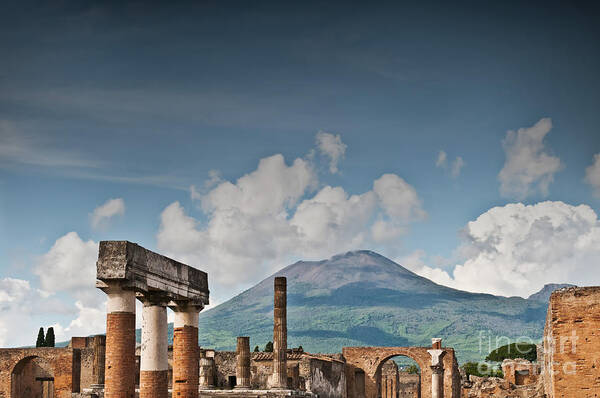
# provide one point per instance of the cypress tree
(269, 347)
(50, 337)
(40, 342)
(256, 349)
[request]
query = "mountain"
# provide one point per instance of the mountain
(544, 294)
(362, 298)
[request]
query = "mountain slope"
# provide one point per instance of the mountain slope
(363, 298)
(544, 294)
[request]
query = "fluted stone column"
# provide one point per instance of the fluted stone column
(185, 351)
(207, 374)
(154, 365)
(242, 370)
(99, 361)
(120, 343)
(437, 368)
(280, 334)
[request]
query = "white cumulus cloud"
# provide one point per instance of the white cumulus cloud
(516, 249)
(258, 223)
(70, 264)
(103, 213)
(331, 145)
(68, 268)
(592, 175)
(529, 166)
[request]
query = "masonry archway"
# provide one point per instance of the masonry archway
(32, 377)
(370, 359)
(399, 377)
(17, 365)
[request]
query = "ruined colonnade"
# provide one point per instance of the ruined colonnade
(126, 271)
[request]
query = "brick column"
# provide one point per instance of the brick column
(185, 351)
(242, 370)
(120, 343)
(99, 362)
(280, 334)
(154, 365)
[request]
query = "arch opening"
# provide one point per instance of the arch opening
(398, 377)
(32, 377)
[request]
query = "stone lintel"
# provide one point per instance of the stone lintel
(134, 267)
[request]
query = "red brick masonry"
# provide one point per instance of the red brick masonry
(185, 362)
(154, 384)
(120, 355)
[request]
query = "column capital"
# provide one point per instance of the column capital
(437, 369)
(153, 299)
(436, 356)
(186, 305)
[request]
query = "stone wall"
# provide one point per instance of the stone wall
(571, 343)
(327, 377)
(520, 371)
(225, 362)
(408, 385)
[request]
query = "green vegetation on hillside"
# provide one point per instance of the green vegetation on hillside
(512, 351)
(482, 369)
(363, 299)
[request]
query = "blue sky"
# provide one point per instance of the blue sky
(140, 102)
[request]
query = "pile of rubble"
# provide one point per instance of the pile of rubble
(484, 387)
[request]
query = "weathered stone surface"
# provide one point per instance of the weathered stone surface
(572, 343)
(243, 362)
(279, 379)
(135, 267)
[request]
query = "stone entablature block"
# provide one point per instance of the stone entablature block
(146, 272)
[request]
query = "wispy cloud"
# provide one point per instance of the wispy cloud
(20, 148)
(456, 165)
(529, 165)
(103, 213)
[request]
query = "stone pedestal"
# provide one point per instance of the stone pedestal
(242, 370)
(120, 343)
(154, 366)
(185, 351)
(279, 379)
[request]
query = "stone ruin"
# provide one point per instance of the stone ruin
(112, 366)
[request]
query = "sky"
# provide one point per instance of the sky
(460, 139)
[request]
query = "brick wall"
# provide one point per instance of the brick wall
(572, 344)
(61, 361)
